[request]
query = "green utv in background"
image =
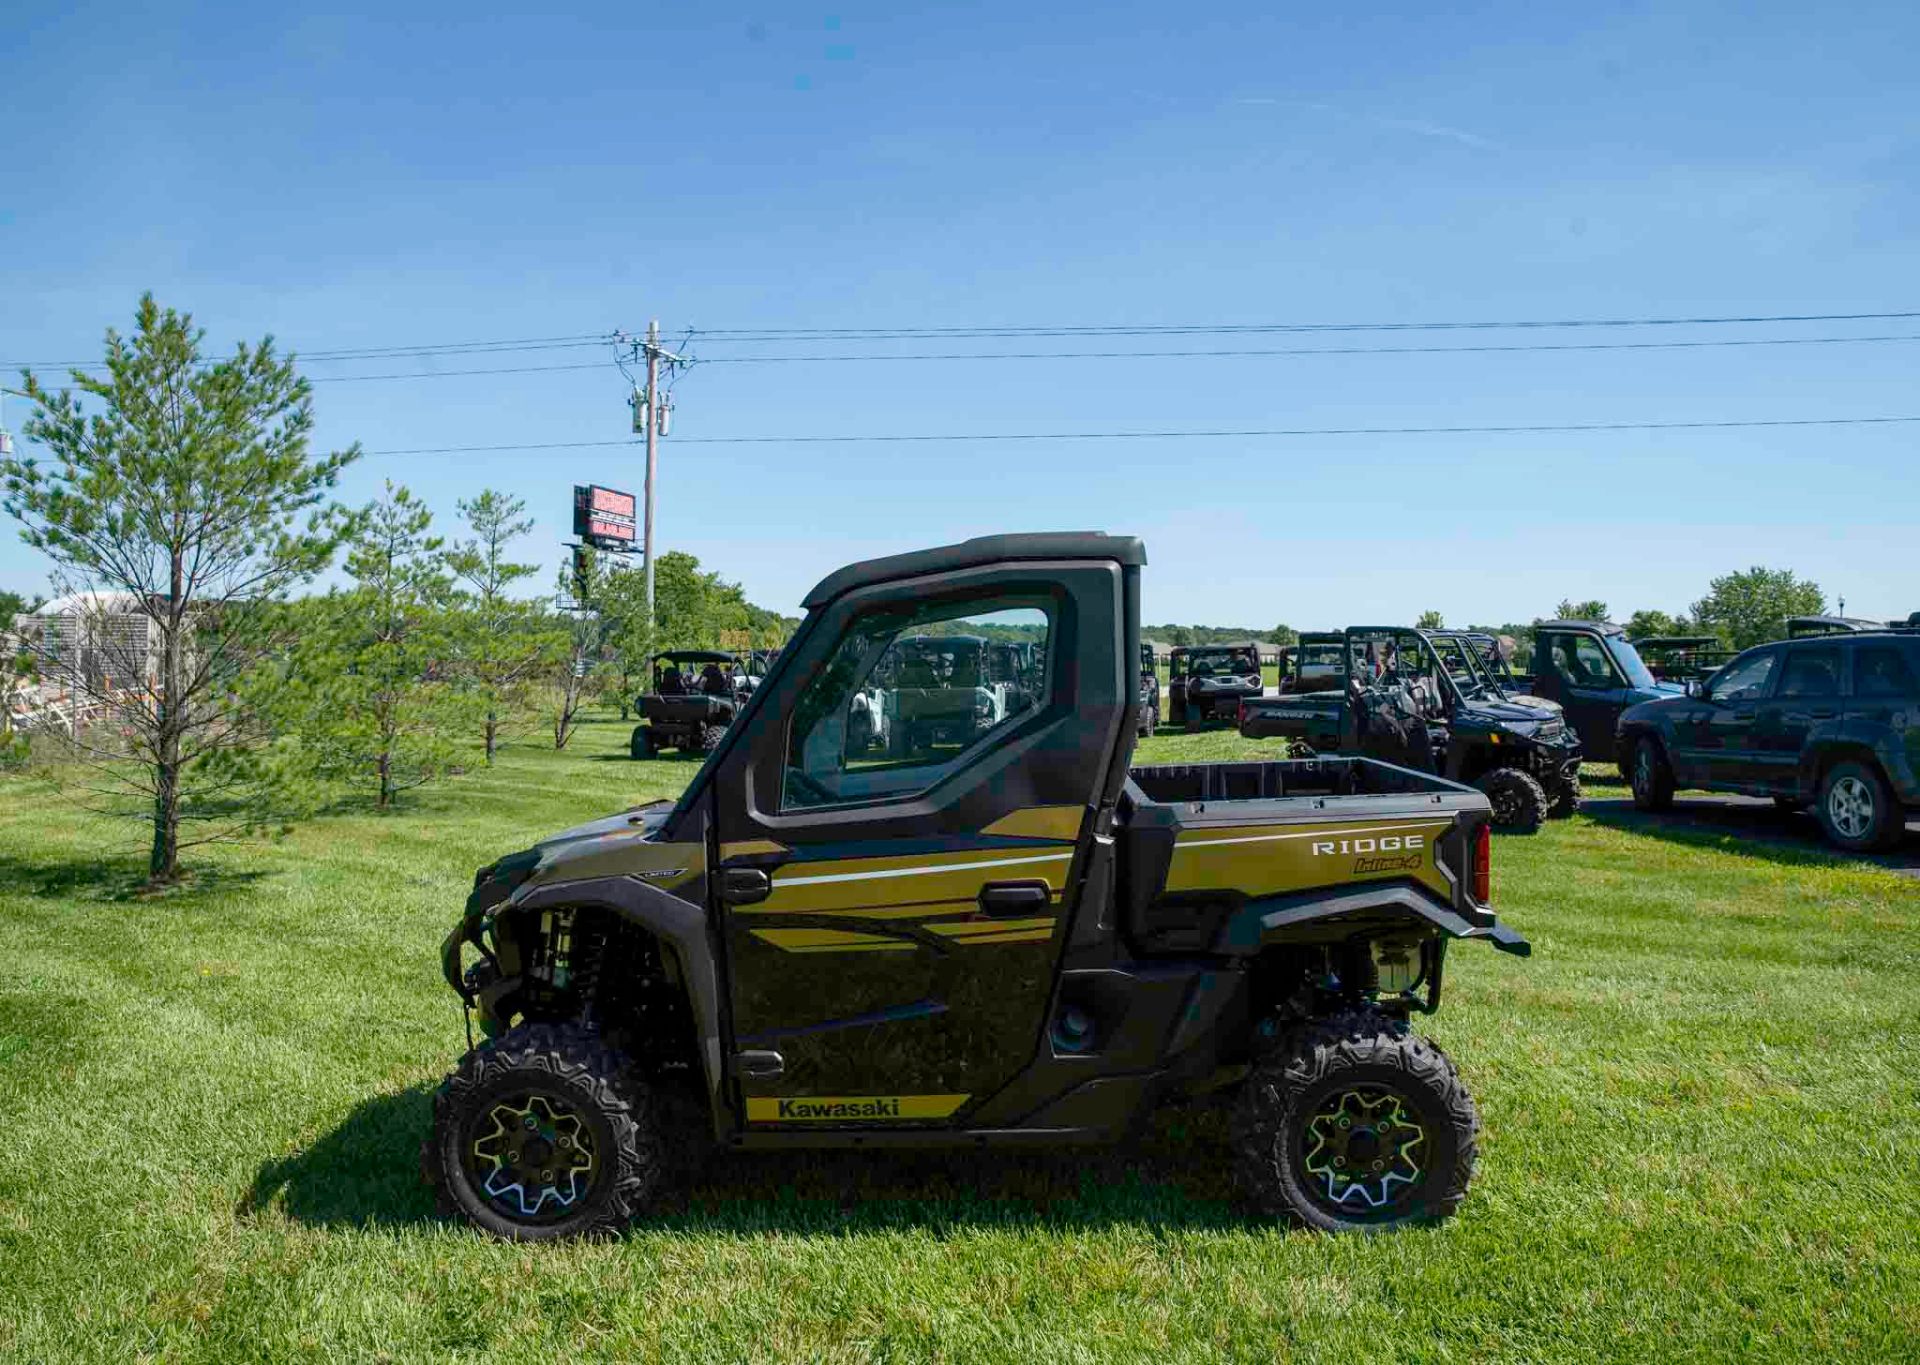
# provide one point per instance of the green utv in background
(1149, 702)
(1010, 937)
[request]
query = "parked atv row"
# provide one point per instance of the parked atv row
(1425, 700)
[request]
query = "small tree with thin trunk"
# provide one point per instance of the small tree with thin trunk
(378, 702)
(578, 665)
(179, 502)
(504, 641)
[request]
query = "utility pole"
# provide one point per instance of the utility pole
(653, 451)
(650, 409)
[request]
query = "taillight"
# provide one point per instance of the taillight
(1482, 864)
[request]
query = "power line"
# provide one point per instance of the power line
(575, 341)
(1296, 351)
(897, 333)
(1219, 433)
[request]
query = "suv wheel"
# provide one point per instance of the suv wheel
(1857, 810)
(544, 1133)
(1355, 1123)
(1519, 801)
(1652, 777)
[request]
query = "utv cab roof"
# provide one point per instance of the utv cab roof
(1598, 627)
(694, 656)
(981, 550)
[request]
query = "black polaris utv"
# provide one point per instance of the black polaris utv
(1205, 683)
(1008, 938)
(696, 694)
(1149, 703)
(1406, 700)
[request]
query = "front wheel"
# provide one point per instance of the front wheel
(1355, 1123)
(1563, 801)
(545, 1133)
(1652, 777)
(1857, 810)
(1519, 801)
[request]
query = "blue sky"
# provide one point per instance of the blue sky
(381, 180)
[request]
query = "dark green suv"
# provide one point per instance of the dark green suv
(1831, 722)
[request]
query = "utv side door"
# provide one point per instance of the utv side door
(1574, 669)
(892, 919)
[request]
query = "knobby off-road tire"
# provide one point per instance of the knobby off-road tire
(710, 737)
(1519, 801)
(1149, 720)
(641, 746)
(1650, 775)
(1857, 810)
(545, 1100)
(1563, 800)
(1405, 1152)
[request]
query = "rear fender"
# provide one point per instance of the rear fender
(1271, 921)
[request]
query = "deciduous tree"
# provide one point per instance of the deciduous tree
(1751, 608)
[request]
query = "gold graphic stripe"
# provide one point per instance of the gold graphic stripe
(911, 910)
(850, 1108)
(972, 929)
(747, 848)
(856, 882)
(1040, 822)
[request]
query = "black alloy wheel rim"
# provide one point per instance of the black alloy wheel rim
(1362, 1152)
(532, 1157)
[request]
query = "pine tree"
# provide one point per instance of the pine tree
(181, 501)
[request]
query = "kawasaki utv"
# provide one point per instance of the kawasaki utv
(1432, 706)
(998, 937)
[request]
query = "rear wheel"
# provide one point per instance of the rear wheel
(545, 1133)
(641, 745)
(1857, 810)
(1652, 777)
(1150, 719)
(1355, 1123)
(710, 737)
(1519, 801)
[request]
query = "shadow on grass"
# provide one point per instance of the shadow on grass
(1747, 826)
(366, 1173)
(111, 879)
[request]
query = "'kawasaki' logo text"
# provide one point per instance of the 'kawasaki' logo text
(840, 1109)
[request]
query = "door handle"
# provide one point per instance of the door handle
(744, 885)
(1014, 898)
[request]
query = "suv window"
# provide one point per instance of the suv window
(1884, 671)
(1580, 660)
(904, 699)
(1811, 673)
(1746, 678)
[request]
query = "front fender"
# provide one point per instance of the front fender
(679, 924)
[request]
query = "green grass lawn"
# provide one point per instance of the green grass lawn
(1699, 1098)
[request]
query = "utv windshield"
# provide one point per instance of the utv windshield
(1632, 667)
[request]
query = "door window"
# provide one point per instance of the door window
(1883, 671)
(910, 692)
(1581, 661)
(1746, 679)
(1811, 673)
